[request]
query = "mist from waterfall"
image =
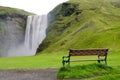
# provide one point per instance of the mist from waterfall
(35, 33)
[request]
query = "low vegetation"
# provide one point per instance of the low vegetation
(108, 77)
(88, 71)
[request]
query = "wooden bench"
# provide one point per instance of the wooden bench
(102, 55)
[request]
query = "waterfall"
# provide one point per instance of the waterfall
(35, 33)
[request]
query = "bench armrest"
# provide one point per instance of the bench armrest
(65, 59)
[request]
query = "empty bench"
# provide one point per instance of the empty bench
(101, 53)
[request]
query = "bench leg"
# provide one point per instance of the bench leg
(63, 62)
(98, 59)
(105, 61)
(69, 63)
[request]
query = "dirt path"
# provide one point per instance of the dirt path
(40, 74)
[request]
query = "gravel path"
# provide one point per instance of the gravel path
(40, 74)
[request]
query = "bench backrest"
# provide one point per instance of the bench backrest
(100, 52)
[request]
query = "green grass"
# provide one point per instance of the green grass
(52, 60)
(10, 11)
(90, 71)
(32, 62)
(108, 77)
(86, 71)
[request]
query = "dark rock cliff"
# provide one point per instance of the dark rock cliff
(12, 27)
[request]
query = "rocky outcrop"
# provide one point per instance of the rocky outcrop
(12, 29)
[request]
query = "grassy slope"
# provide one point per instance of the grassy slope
(96, 26)
(11, 11)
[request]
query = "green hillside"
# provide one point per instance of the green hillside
(11, 11)
(82, 24)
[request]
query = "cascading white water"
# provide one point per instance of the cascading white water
(34, 35)
(35, 32)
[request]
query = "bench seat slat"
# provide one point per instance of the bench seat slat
(101, 52)
(86, 60)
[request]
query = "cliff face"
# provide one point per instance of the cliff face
(83, 24)
(12, 28)
(11, 32)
